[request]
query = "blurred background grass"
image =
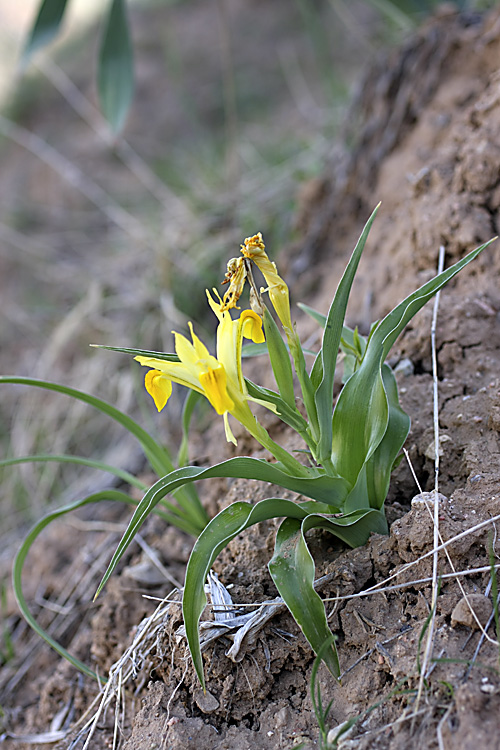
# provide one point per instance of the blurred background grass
(102, 240)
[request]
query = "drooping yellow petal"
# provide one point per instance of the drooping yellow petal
(251, 325)
(213, 382)
(253, 248)
(159, 387)
(229, 433)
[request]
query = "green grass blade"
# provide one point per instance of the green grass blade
(330, 490)
(115, 76)
(90, 462)
(155, 453)
(225, 526)
(292, 570)
(45, 28)
(20, 558)
(331, 343)
(165, 356)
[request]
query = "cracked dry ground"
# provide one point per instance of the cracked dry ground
(430, 150)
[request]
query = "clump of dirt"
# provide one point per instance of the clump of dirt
(439, 179)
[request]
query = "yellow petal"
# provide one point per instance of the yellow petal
(185, 350)
(213, 382)
(251, 325)
(253, 248)
(229, 433)
(159, 387)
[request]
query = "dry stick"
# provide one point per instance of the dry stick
(430, 632)
(443, 545)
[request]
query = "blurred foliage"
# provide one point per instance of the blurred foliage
(115, 63)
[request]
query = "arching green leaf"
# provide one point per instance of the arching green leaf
(115, 76)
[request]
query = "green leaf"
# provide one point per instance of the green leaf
(314, 314)
(19, 560)
(331, 490)
(381, 463)
(331, 343)
(253, 350)
(191, 510)
(354, 529)
(192, 399)
(218, 533)
(388, 330)
(45, 28)
(292, 570)
(115, 76)
(280, 359)
(165, 356)
(157, 455)
(291, 416)
(360, 419)
(64, 459)
(351, 344)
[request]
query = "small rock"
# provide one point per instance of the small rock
(426, 498)
(462, 614)
(430, 451)
(405, 367)
(206, 702)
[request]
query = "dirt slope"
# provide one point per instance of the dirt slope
(429, 147)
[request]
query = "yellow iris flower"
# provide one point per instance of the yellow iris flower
(219, 378)
(253, 249)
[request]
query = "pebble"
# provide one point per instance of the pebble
(462, 614)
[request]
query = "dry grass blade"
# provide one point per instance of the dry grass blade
(435, 559)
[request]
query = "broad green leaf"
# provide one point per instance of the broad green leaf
(330, 490)
(331, 343)
(280, 359)
(360, 419)
(354, 529)
(218, 533)
(64, 459)
(46, 26)
(381, 463)
(115, 76)
(292, 570)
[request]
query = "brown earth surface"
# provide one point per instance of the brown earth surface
(428, 145)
